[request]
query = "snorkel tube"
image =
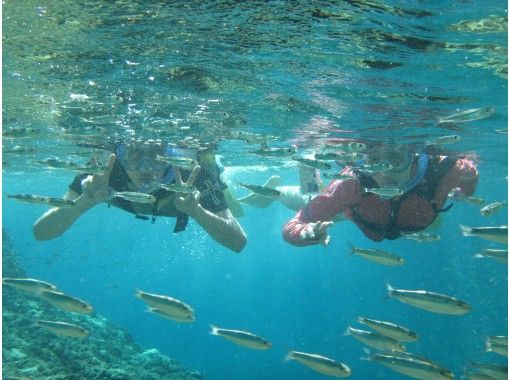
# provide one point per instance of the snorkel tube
(421, 169)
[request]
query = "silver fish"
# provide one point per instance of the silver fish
(498, 372)
(475, 200)
(500, 255)
(320, 364)
(172, 316)
(468, 115)
(41, 200)
(497, 344)
(185, 189)
(433, 302)
(314, 164)
(376, 340)
(63, 328)
(391, 330)
(172, 308)
(28, 284)
(242, 338)
(182, 162)
(443, 140)
(377, 256)
(262, 190)
(385, 191)
(328, 156)
(492, 208)
(275, 152)
(376, 168)
(497, 234)
(422, 236)
(132, 196)
(411, 367)
(66, 302)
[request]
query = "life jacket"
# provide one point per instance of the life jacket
(411, 212)
(119, 180)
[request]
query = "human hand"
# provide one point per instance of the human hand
(317, 232)
(188, 203)
(96, 187)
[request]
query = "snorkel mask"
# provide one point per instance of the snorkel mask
(143, 159)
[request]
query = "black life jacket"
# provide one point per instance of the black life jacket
(119, 182)
(424, 190)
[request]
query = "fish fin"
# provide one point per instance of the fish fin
(138, 293)
(488, 347)
(361, 319)
(390, 290)
(111, 194)
(289, 356)
(367, 352)
(347, 331)
(214, 330)
(260, 201)
(352, 249)
(466, 231)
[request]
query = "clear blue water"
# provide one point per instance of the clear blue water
(290, 69)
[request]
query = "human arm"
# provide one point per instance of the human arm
(221, 225)
(56, 221)
(309, 225)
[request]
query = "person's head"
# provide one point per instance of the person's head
(399, 156)
(139, 160)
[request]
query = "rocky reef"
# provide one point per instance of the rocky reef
(107, 353)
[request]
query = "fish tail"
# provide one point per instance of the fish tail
(214, 330)
(352, 252)
(138, 293)
(367, 352)
(466, 231)
(347, 331)
(390, 290)
(361, 319)
(111, 194)
(289, 356)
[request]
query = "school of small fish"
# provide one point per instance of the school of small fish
(388, 338)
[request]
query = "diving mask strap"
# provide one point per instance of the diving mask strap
(423, 163)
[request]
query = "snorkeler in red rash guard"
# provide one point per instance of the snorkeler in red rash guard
(421, 181)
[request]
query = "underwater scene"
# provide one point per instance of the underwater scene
(254, 190)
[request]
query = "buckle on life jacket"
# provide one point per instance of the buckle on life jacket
(181, 222)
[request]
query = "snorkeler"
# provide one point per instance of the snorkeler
(392, 193)
(152, 178)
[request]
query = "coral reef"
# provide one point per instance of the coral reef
(107, 353)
